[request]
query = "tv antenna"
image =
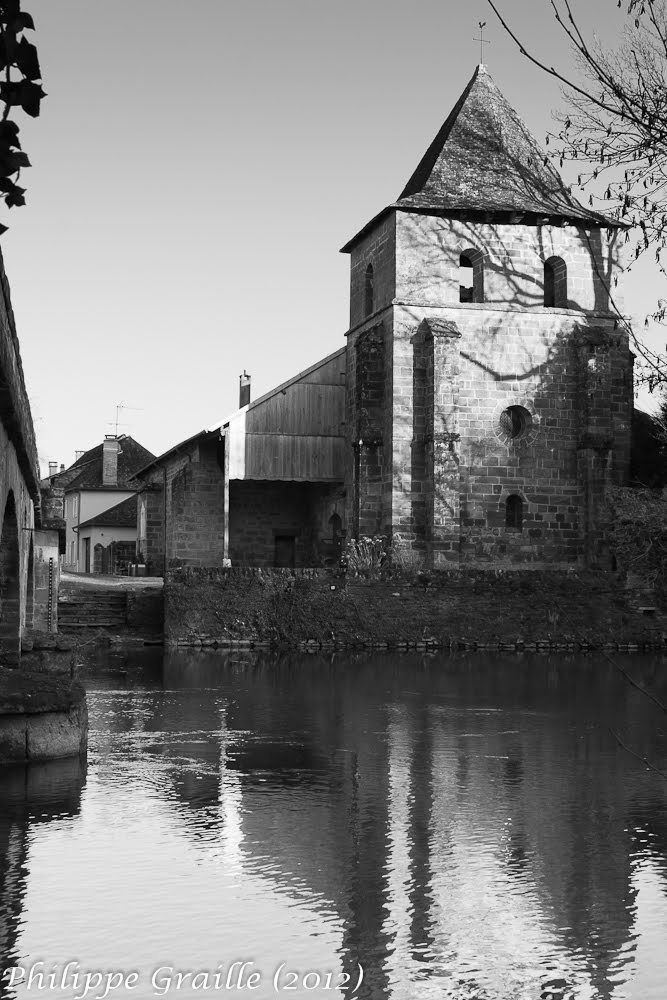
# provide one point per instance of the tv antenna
(119, 407)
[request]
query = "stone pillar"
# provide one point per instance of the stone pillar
(47, 580)
(10, 588)
(595, 441)
(150, 529)
(226, 559)
(370, 465)
(442, 479)
(370, 415)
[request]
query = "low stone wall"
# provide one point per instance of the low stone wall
(468, 609)
(42, 716)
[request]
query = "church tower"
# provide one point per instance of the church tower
(489, 381)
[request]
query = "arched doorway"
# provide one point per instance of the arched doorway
(10, 592)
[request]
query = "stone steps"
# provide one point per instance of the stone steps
(92, 610)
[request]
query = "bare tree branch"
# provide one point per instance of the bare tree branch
(638, 756)
(615, 127)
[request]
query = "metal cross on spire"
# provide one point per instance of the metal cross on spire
(482, 40)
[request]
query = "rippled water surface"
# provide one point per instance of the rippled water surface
(457, 827)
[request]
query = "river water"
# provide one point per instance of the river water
(461, 827)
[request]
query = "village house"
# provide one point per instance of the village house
(483, 401)
(100, 505)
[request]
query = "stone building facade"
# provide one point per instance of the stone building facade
(489, 380)
(480, 408)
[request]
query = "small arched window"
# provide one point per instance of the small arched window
(514, 512)
(471, 276)
(369, 294)
(555, 283)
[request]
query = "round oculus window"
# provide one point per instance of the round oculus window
(515, 422)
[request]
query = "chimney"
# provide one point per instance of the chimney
(244, 389)
(62, 466)
(78, 454)
(110, 451)
(53, 468)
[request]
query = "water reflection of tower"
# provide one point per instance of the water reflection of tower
(303, 790)
(397, 811)
(30, 796)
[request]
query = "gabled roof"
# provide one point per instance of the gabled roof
(215, 430)
(86, 472)
(484, 159)
(121, 515)
(285, 385)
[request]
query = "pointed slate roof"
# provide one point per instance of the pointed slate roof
(484, 159)
(87, 471)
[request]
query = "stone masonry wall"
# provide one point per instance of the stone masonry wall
(19, 486)
(262, 511)
(428, 251)
(15, 551)
(195, 508)
(457, 609)
(150, 525)
(454, 464)
(377, 248)
(15, 412)
(512, 360)
(367, 467)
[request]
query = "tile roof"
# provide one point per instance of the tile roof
(484, 159)
(121, 515)
(86, 472)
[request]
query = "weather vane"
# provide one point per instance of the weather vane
(482, 40)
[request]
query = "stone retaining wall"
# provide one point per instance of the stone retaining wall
(475, 609)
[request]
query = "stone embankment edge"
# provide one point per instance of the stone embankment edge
(42, 717)
(316, 609)
(453, 646)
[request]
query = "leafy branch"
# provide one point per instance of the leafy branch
(20, 87)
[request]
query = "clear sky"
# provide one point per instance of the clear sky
(196, 169)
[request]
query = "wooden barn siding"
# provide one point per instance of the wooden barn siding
(298, 458)
(302, 408)
(332, 373)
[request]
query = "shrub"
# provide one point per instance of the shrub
(405, 559)
(367, 556)
(637, 535)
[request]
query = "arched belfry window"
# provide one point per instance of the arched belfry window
(369, 294)
(555, 283)
(514, 512)
(471, 276)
